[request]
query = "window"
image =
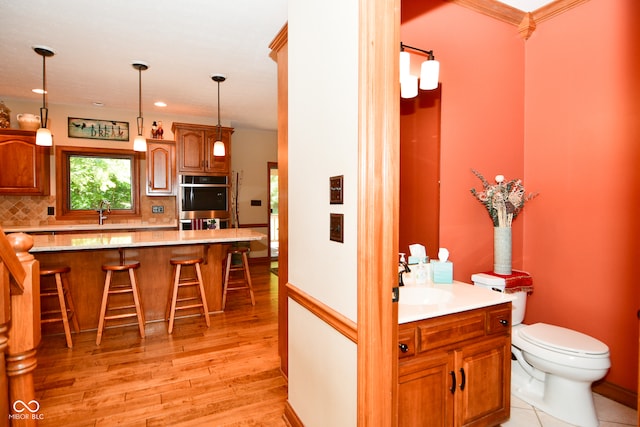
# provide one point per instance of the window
(86, 177)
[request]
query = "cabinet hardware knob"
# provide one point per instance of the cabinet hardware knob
(463, 381)
(504, 322)
(403, 347)
(453, 382)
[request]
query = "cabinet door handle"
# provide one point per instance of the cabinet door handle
(504, 322)
(463, 381)
(403, 347)
(453, 382)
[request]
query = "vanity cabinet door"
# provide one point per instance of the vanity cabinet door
(484, 375)
(24, 165)
(424, 391)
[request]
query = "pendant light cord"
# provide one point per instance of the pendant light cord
(139, 100)
(43, 120)
(219, 128)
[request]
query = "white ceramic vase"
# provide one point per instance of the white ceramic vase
(502, 250)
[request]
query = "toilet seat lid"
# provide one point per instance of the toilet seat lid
(562, 339)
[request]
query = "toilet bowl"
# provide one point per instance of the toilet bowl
(554, 366)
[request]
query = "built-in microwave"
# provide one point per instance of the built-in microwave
(203, 197)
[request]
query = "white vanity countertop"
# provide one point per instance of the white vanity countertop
(462, 297)
(88, 227)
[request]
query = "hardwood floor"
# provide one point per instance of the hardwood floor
(226, 375)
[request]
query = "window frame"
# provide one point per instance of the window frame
(63, 204)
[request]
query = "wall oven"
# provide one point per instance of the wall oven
(203, 202)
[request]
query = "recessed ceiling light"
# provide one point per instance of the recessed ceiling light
(38, 91)
(98, 104)
(160, 104)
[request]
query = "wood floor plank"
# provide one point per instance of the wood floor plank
(224, 375)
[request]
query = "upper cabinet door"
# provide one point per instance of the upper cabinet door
(219, 164)
(24, 165)
(161, 168)
(191, 144)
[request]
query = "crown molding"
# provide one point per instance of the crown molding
(526, 22)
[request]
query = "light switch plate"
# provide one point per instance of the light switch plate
(157, 209)
(336, 227)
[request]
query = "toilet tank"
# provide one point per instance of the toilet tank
(498, 284)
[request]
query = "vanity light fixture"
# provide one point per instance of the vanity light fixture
(43, 135)
(429, 72)
(218, 146)
(140, 142)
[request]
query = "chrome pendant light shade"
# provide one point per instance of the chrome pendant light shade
(43, 135)
(218, 146)
(140, 142)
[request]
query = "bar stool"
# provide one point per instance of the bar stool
(186, 302)
(110, 289)
(65, 302)
(239, 283)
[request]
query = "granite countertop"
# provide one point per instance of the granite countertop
(443, 299)
(136, 239)
(88, 227)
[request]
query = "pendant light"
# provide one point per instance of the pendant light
(218, 146)
(43, 135)
(140, 142)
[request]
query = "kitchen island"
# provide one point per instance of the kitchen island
(85, 254)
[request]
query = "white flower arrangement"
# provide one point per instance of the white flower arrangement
(503, 200)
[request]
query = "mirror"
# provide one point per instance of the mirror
(420, 171)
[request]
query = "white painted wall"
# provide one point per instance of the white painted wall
(323, 142)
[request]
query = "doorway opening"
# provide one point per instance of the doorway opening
(273, 215)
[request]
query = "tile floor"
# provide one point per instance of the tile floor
(610, 414)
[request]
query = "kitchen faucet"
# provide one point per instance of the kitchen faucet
(101, 207)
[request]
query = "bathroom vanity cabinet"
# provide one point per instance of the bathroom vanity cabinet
(455, 370)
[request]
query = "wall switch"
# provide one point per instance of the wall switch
(51, 210)
(157, 209)
(256, 203)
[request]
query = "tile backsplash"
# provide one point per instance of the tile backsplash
(32, 211)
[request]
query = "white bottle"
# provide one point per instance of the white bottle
(421, 272)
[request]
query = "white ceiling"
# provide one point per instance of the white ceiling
(184, 42)
(527, 5)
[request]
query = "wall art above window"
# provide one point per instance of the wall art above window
(98, 129)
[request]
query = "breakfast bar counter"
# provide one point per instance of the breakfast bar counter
(85, 254)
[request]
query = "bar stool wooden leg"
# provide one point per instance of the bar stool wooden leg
(227, 271)
(174, 297)
(245, 263)
(103, 307)
(136, 301)
(63, 310)
(72, 308)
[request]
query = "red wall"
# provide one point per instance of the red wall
(559, 110)
(582, 152)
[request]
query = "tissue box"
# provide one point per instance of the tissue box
(442, 271)
(416, 259)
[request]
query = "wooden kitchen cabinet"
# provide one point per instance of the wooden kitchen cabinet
(455, 370)
(161, 167)
(195, 149)
(24, 165)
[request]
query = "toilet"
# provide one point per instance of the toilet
(552, 367)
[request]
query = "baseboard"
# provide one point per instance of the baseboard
(617, 393)
(290, 416)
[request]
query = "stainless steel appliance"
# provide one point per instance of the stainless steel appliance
(203, 202)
